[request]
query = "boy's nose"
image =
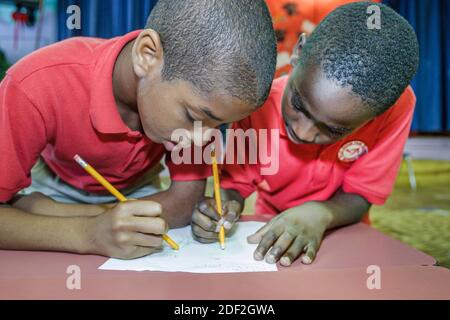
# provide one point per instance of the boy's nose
(307, 131)
(203, 136)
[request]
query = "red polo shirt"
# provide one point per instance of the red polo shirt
(58, 102)
(365, 163)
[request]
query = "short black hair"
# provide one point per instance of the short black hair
(377, 63)
(218, 45)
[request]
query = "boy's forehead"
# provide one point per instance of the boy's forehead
(229, 108)
(217, 105)
(327, 99)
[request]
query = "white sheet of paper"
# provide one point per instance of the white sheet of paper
(195, 257)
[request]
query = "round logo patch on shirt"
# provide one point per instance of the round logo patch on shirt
(352, 151)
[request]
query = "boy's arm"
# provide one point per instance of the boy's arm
(126, 231)
(179, 201)
(24, 231)
(37, 203)
(345, 208)
(301, 229)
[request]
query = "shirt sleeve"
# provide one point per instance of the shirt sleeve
(23, 138)
(237, 173)
(373, 176)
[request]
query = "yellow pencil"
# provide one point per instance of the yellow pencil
(97, 176)
(217, 196)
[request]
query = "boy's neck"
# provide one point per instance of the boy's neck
(125, 88)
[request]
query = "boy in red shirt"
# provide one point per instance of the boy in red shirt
(341, 121)
(116, 103)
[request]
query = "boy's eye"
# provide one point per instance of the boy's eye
(335, 133)
(189, 117)
(296, 102)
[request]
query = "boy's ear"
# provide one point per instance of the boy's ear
(148, 53)
(298, 49)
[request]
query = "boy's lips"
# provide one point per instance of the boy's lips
(169, 145)
(291, 135)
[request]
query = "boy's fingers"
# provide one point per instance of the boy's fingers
(228, 224)
(145, 240)
(140, 208)
(280, 247)
(143, 251)
(232, 214)
(208, 208)
(294, 251)
(310, 254)
(229, 219)
(266, 243)
(232, 210)
(204, 241)
(148, 225)
(219, 226)
(199, 232)
(203, 221)
(257, 236)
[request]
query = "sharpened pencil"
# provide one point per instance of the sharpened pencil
(217, 196)
(108, 186)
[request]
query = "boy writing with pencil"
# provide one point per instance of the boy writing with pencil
(116, 103)
(343, 117)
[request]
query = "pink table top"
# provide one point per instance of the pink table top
(338, 273)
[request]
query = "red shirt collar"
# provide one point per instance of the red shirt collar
(103, 109)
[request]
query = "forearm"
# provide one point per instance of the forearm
(40, 204)
(20, 230)
(344, 209)
(179, 200)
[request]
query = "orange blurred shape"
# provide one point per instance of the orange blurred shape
(289, 17)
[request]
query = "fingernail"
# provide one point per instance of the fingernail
(285, 261)
(258, 256)
(227, 225)
(306, 260)
(270, 259)
(251, 240)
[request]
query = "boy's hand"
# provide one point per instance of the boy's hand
(129, 230)
(206, 222)
(296, 231)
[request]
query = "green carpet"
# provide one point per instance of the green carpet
(422, 218)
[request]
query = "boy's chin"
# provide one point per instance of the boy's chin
(153, 137)
(169, 145)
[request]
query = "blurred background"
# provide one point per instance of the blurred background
(418, 211)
